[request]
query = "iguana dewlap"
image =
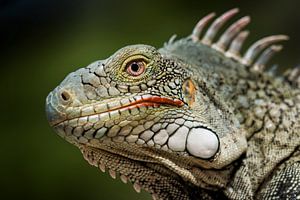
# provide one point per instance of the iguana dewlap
(195, 119)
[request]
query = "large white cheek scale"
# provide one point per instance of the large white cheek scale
(202, 143)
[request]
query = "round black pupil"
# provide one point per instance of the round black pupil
(135, 67)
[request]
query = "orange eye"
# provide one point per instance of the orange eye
(136, 68)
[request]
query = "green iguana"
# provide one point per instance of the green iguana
(194, 119)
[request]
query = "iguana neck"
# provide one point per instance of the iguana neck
(208, 67)
(264, 106)
(243, 91)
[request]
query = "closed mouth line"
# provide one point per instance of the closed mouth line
(154, 101)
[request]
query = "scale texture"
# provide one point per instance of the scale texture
(195, 119)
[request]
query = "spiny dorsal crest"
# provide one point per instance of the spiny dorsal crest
(293, 76)
(232, 40)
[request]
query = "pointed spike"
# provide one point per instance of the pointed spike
(200, 26)
(137, 187)
(272, 71)
(236, 45)
(230, 33)
(261, 62)
(102, 167)
(287, 73)
(124, 179)
(112, 173)
(293, 75)
(172, 39)
(258, 46)
(217, 24)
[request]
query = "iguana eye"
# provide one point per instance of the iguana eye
(135, 68)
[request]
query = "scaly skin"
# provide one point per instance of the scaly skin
(185, 121)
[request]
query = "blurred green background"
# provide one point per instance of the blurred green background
(43, 40)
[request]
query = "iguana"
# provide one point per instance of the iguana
(195, 119)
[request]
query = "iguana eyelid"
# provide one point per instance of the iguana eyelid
(138, 57)
(135, 57)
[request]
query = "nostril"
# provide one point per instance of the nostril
(65, 96)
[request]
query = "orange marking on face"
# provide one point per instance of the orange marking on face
(189, 91)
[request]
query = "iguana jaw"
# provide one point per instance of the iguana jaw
(142, 170)
(122, 159)
(108, 107)
(74, 122)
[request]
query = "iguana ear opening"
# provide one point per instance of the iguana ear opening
(189, 92)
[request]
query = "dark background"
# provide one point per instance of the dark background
(43, 40)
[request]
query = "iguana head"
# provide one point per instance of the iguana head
(135, 97)
(154, 110)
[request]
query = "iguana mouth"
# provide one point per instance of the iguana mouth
(103, 110)
(147, 101)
